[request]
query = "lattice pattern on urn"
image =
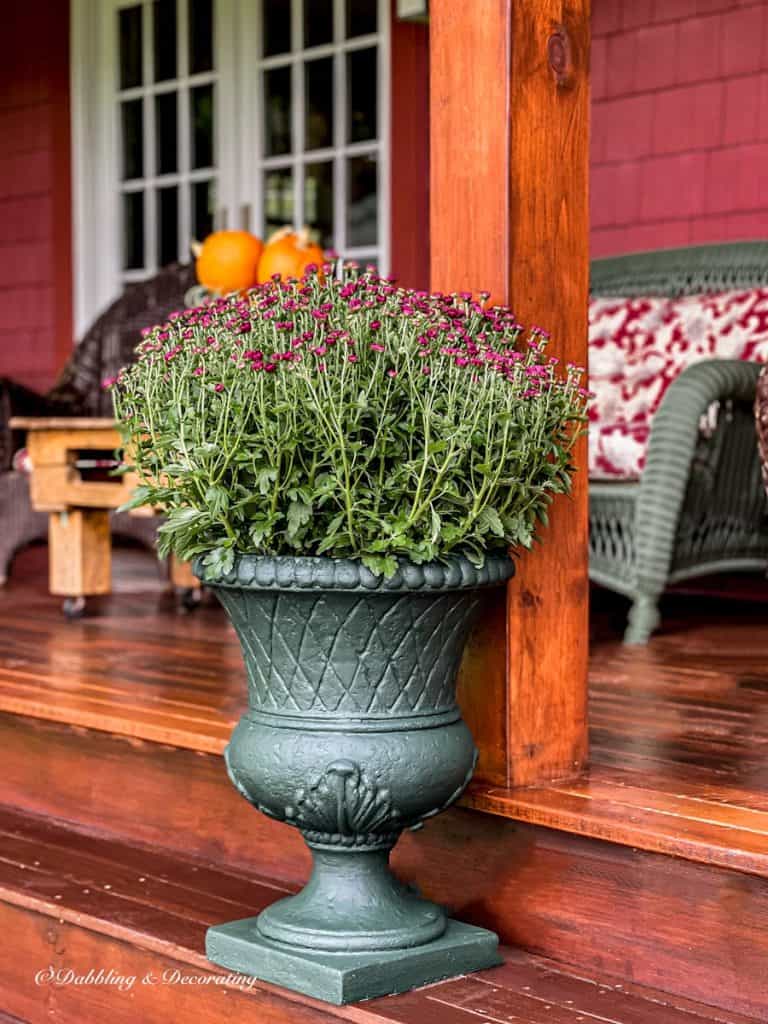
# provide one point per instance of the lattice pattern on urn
(305, 629)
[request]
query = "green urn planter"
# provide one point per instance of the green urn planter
(352, 735)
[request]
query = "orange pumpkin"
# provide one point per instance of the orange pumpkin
(289, 253)
(227, 261)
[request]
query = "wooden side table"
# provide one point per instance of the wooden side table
(71, 460)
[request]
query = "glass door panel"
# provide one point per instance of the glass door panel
(225, 113)
(313, 154)
(166, 97)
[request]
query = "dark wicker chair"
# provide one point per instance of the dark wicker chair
(107, 346)
(699, 506)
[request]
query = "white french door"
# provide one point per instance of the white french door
(195, 114)
(318, 122)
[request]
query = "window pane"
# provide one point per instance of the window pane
(164, 15)
(132, 119)
(318, 103)
(318, 201)
(276, 15)
(278, 199)
(167, 225)
(200, 36)
(165, 133)
(133, 230)
(362, 212)
(361, 17)
(201, 113)
(277, 111)
(203, 207)
(318, 22)
(361, 89)
(130, 47)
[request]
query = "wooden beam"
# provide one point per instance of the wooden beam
(469, 146)
(509, 212)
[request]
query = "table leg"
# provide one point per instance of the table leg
(79, 552)
(182, 575)
(185, 584)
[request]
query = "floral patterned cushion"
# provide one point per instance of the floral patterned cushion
(636, 349)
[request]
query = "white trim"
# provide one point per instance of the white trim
(227, 41)
(183, 142)
(384, 133)
(167, 85)
(171, 178)
(94, 162)
(340, 189)
(298, 110)
(248, 203)
(148, 142)
(316, 52)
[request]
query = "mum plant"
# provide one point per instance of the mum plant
(406, 441)
(348, 418)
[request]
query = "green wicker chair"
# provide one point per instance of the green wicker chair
(700, 505)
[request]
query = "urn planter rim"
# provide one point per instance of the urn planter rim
(317, 572)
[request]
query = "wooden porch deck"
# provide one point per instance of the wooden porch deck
(650, 870)
(679, 730)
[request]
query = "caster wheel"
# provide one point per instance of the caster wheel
(189, 598)
(73, 607)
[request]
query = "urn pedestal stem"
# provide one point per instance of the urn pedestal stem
(352, 901)
(352, 735)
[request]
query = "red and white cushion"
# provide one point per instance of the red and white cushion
(637, 347)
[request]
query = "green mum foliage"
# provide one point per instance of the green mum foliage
(351, 418)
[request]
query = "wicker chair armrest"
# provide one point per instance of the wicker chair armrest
(671, 449)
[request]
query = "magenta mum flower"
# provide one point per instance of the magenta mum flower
(278, 411)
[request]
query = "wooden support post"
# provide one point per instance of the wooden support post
(509, 212)
(79, 552)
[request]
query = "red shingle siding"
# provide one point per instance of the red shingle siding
(35, 193)
(409, 156)
(679, 122)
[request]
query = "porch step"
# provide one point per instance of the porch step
(679, 743)
(697, 930)
(651, 870)
(76, 903)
